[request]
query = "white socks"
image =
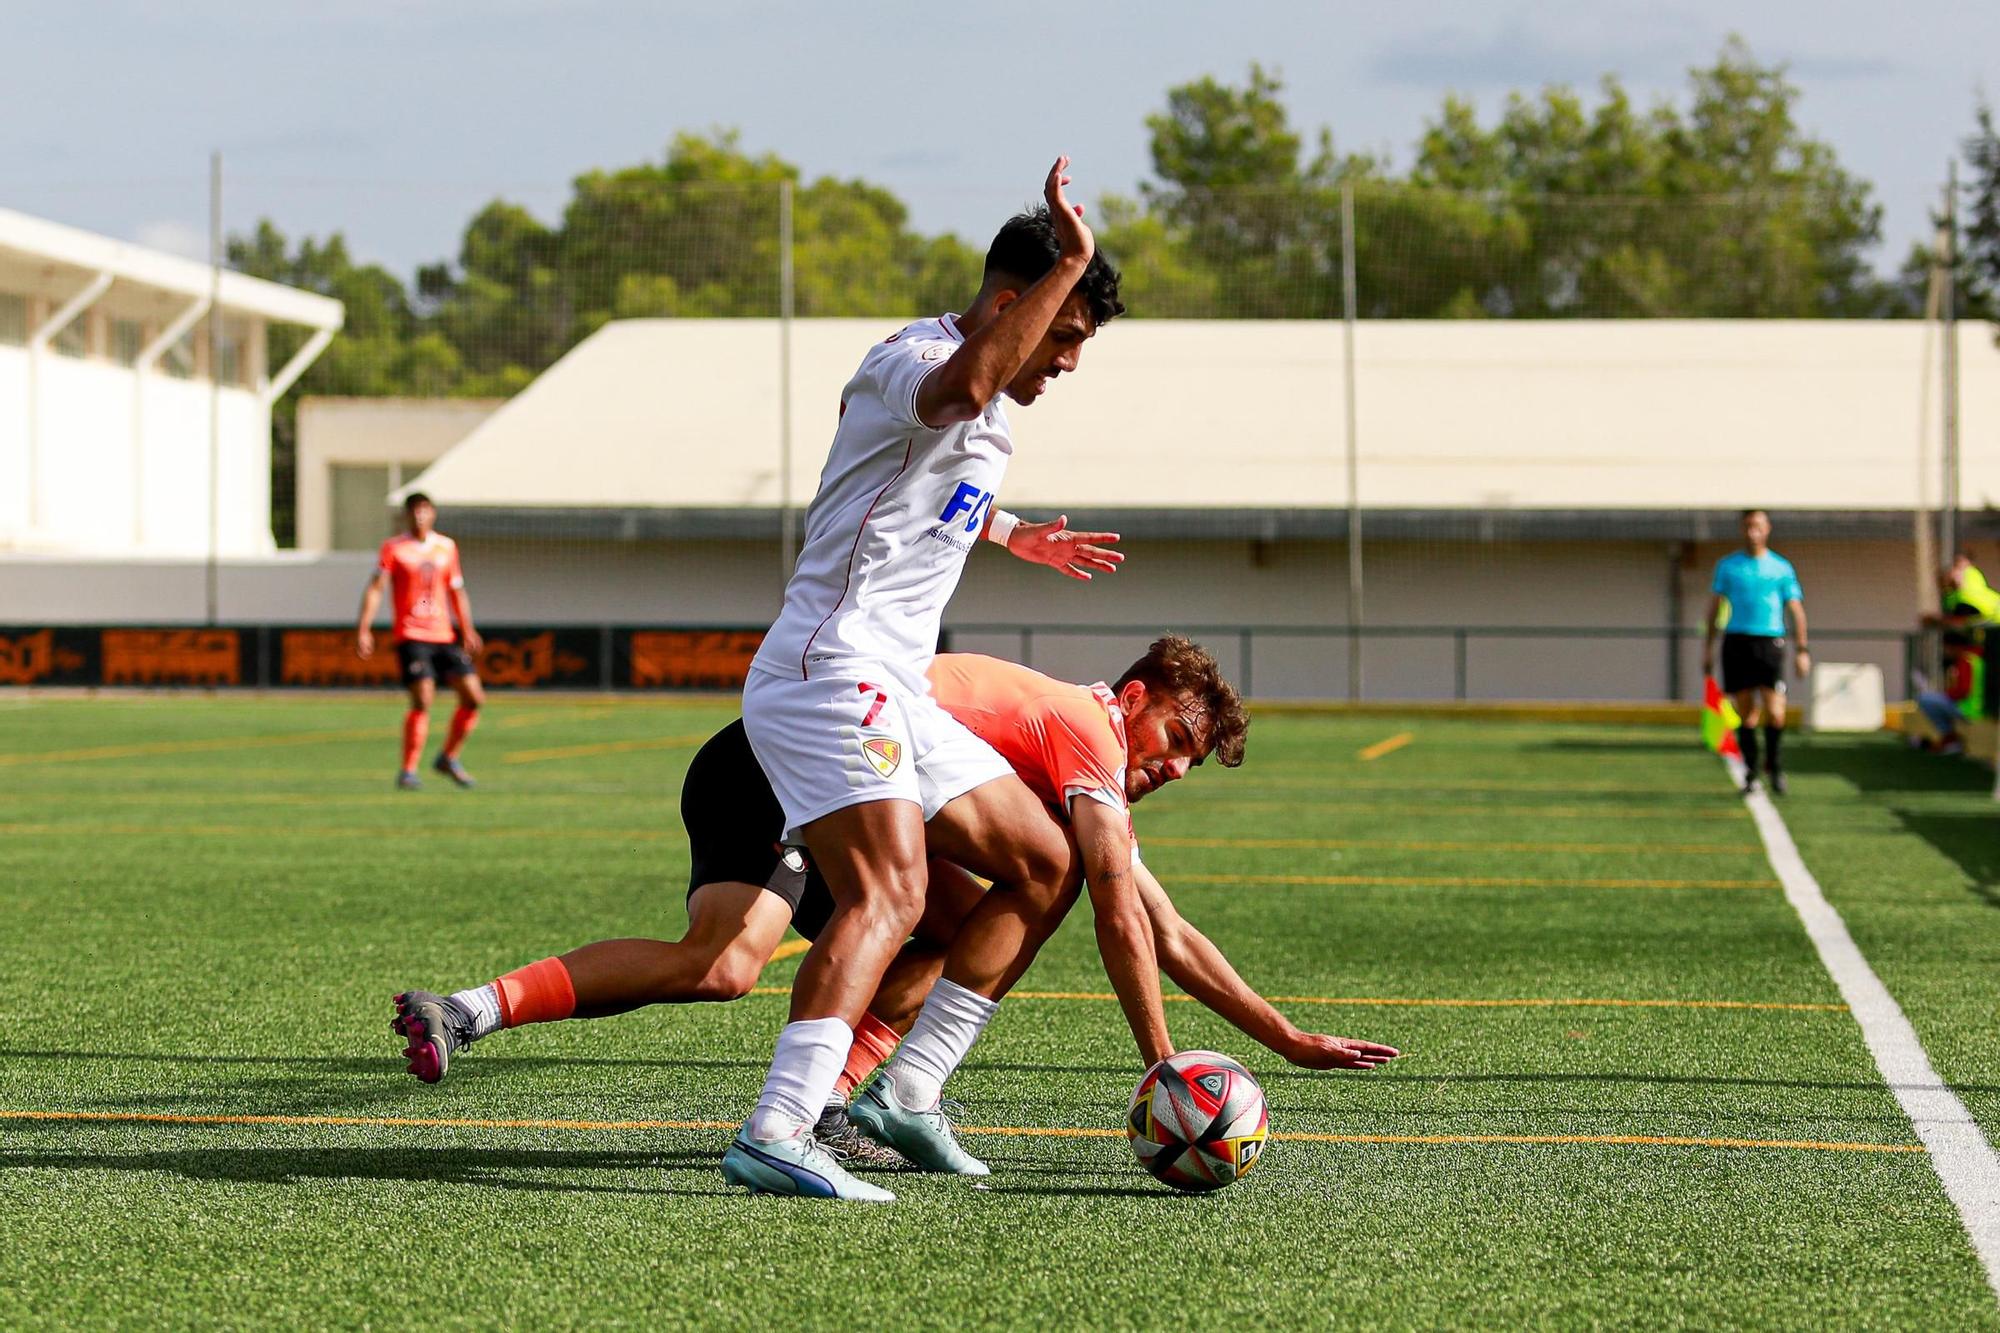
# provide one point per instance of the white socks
(804, 1068)
(484, 1002)
(951, 1020)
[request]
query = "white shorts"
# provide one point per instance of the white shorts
(835, 741)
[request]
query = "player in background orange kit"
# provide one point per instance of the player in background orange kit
(421, 568)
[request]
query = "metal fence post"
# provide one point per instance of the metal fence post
(1458, 637)
(787, 521)
(1348, 304)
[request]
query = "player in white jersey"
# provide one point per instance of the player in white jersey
(836, 705)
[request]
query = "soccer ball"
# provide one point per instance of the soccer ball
(1198, 1121)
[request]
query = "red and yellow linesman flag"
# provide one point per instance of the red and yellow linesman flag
(1718, 720)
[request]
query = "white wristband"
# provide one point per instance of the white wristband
(1001, 526)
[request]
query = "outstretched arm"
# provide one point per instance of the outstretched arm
(1124, 931)
(1057, 545)
(1199, 968)
(1802, 654)
(960, 389)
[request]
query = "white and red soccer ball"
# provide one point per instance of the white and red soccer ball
(1198, 1121)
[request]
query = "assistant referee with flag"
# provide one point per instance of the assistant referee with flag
(1761, 589)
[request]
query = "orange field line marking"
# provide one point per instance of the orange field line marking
(1008, 1131)
(1390, 746)
(1475, 882)
(1336, 783)
(340, 831)
(600, 747)
(1415, 1002)
(543, 716)
(145, 748)
(790, 949)
(1217, 798)
(1399, 845)
(1639, 1140)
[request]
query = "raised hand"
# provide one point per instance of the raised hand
(1077, 554)
(1071, 234)
(1316, 1050)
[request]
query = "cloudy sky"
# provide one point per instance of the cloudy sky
(394, 121)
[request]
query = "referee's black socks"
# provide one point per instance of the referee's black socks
(1746, 740)
(1773, 733)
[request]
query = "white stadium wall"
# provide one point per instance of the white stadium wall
(104, 483)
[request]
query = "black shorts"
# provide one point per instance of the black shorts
(1752, 662)
(733, 824)
(432, 661)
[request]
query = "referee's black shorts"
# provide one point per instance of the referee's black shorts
(1752, 662)
(733, 824)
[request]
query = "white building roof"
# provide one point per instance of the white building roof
(51, 258)
(1470, 416)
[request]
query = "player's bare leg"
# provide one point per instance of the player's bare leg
(1003, 831)
(872, 858)
(733, 929)
(471, 696)
(952, 895)
(416, 728)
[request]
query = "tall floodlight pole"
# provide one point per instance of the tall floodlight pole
(786, 533)
(1353, 445)
(214, 591)
(1922, 531)
(1949, 501)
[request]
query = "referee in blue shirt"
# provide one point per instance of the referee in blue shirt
(1761, 588)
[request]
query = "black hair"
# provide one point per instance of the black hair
(1746, 513)
(1027, 248)
(1954, 638)
(415, 498)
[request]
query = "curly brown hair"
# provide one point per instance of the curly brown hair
(1179, 667)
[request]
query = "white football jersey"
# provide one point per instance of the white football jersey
(898, 508)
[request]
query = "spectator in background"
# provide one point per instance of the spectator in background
(1965, 598)
(1963, 698)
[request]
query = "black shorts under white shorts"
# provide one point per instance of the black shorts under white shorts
(733, 824)
(1752, 662)
(432, 661)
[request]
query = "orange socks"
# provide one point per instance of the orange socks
(416, 726)
(462, 723)
(874, 1042)
(538, 993)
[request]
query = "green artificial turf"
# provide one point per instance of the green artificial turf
(207, 903)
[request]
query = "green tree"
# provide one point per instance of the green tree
(370, 356)
(1236, 217)
(1725, 209)
(1980, 283)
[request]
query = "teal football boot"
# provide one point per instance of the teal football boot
(924, 1137)
(797, 1166)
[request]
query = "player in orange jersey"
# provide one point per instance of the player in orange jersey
(1105, 745)
(420, 567)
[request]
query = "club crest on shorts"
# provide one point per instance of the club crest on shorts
(883, 754)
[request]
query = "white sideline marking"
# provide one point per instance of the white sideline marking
(1964, 1160)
